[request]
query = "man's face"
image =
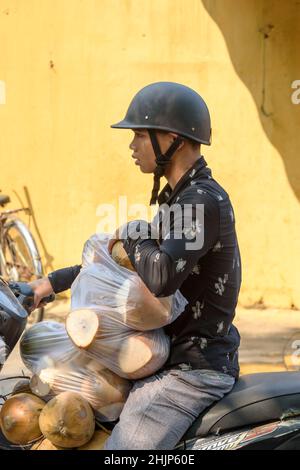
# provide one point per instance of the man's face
(143, 152)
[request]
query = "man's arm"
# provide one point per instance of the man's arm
(165, 267)
(62, 279)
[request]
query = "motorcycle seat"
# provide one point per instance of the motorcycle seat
(255, 398)
(4, 199)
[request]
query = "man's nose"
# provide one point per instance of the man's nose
(132, 146)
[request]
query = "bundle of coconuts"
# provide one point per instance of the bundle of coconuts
(114, 317)
(80, 369)
(103, 390)
(129, 354)
(67, 421)
(58, 366)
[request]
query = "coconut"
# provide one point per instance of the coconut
(120, 256)
(19, 418)
(106, 392)
(82, 326)
(111, 387)
(144, 311)
(95, 366)
(100, 389)
(67, 420)
(97, 442)
(140, 356)
(128, 353)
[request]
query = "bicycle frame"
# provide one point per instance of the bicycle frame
(4, 217)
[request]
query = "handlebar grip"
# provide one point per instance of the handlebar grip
(48, 299)
(24, 291)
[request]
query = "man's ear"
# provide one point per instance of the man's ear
(181, 145)
(174, 137)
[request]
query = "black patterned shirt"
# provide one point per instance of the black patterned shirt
(207, 273)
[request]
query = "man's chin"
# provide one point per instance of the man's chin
(145, 170)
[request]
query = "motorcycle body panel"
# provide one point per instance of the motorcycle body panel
(13, 319)
(271, 436)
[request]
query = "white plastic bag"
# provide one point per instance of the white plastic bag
(47, 344)
(105, 338)
(115, 318)
(102, 283)
(104, 390)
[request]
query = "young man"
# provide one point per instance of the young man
(170, 122)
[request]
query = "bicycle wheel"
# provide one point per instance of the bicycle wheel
(22, 259)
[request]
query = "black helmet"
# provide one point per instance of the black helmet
(170, 107)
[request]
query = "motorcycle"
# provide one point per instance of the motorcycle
(262, 411)
(16, 299)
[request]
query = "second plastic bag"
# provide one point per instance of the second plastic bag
(47, 344)
(104, 390)
(58, 366)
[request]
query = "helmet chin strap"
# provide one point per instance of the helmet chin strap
(161, 161)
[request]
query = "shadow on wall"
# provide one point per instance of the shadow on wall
(263, 40)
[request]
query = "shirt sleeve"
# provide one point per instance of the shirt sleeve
(192, 231)
(62, 279)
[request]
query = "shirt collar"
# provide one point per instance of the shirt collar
(167, 193)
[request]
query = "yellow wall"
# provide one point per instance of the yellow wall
(70, 68)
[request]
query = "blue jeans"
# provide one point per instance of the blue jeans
(162, 407)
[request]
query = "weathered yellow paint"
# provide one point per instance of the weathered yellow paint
(70, 69)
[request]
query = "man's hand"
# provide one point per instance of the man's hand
(41, 288)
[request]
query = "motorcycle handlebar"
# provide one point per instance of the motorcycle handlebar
(25, 294)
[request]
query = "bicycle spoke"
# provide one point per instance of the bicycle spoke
(17, 266)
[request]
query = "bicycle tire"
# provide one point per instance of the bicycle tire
(30, 246)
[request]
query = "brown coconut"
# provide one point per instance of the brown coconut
(67, 420)
(144, 311)
(120, 256)
(19, 418)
